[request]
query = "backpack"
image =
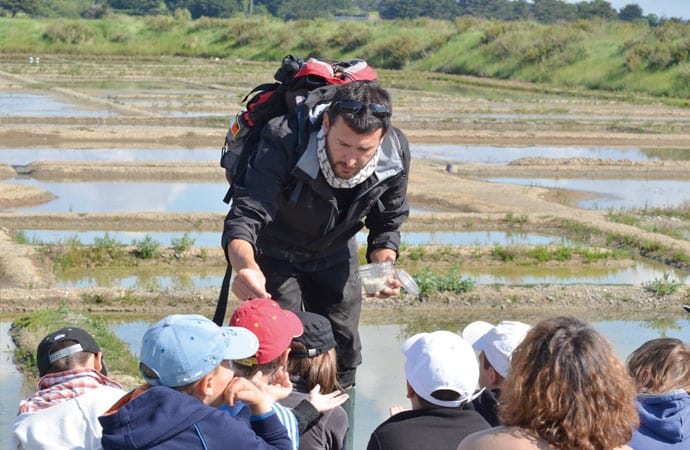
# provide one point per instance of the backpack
(294, 80)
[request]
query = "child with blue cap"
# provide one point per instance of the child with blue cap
(186, 361)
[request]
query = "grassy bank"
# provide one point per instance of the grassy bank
(613, 56)
(28, 330)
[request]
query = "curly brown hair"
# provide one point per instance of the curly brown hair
(567, 386)
(661, 365)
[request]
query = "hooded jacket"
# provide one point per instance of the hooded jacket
(287, 210)
(163, 418)
(664, 421)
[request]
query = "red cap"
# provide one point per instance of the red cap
(275, 327)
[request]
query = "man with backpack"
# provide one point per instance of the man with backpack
(317, 177)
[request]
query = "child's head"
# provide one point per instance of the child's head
(441, 369)
(496, 345)
(274, 327)
(192, 354)
(312, 355)
(661, 365)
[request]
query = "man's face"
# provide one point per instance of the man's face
(348, 151)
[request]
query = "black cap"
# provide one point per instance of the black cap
(45, 356)
(317, 336)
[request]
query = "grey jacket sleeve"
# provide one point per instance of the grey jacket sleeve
(385, 221)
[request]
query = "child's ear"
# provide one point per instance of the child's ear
(205, 387)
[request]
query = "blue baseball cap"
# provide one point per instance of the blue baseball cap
(182, 348)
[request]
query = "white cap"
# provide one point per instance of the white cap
(440, 360)
(497, 342)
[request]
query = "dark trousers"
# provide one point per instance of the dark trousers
(334, 292)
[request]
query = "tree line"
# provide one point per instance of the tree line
(545, 11)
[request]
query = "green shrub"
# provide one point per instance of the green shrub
(183, 243)
(502, 253)
(68, 33)
(147, 248)
(664, 286)
(160, 23)
(393, 53)
(452, 281)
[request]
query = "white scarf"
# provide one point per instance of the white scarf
(331, 178)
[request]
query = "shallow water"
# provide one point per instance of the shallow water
(616, 194)
(503, 155)
(474, 154)
(24, 156)
(130, 197)
(212, 239)
(203, 277)
(18, 104)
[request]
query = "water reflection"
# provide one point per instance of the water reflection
(130, 197)
(212, 239)
(12, 385)
(380, 379)
(504, 155)
(474, 154)
(616, 194)
(203, 277)
(33, 105)
(24, 156)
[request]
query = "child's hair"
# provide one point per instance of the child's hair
(185, 389)
(248, 371)
(661, 365)
(321, 369)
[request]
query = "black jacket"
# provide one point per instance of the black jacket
(435, 428)
(287, 210)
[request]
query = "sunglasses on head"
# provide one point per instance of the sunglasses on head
(355, 106)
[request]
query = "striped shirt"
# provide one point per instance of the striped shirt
(55, 388)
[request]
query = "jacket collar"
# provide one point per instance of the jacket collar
(390, 163)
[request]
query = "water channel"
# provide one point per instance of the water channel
(380, 379)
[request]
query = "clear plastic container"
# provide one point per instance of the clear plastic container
(375, 276)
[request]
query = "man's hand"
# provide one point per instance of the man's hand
(249, 281)
(393, 289)
(326, 402)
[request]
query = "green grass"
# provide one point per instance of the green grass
(31, 328)
(452, 281)
(584, 54)
(663, 286)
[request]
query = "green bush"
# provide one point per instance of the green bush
(160, 23)
(664, 286)
(393, 53)
(68, 33)
(147, 248)
(452, 281)
(183, 243)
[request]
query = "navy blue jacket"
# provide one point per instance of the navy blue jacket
(664, 421)
(163, 418)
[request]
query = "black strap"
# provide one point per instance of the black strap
(222, 305)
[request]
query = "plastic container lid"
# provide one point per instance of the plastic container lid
(408, 283)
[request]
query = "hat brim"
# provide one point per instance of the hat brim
(242, 343)
(475, 331)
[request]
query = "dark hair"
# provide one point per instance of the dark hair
(661, 365)
(567, 386)
(73, 361)
(365, 92)
(321, 369)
